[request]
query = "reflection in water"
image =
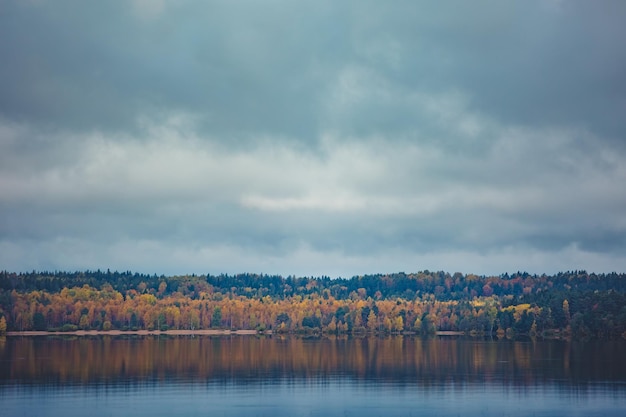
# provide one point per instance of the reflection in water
(397, 360)
(272, 376)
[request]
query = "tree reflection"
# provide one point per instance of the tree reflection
(397, 360)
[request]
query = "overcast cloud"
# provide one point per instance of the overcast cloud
(312, 137)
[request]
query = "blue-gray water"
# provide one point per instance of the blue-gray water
(249, 376)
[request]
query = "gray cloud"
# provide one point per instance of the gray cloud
(312, 138)
(250, 68)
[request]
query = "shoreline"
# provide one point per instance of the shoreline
(199, 332)
(202, 332)
(450, 333)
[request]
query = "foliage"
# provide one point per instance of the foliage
(575, 303)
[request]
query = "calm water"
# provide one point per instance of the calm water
(272, 376)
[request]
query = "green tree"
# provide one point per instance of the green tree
(491, 312)
(579, 327)
(428, 325)
(39, 321)
(311, 321)
(216, 320)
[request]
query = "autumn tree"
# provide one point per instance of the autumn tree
(398, 324)
(332, 326)
(84, 322)
(425, 302)
(417, 325)
(372, 321)
(566, 311)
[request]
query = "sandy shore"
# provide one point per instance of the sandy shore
(211, 332)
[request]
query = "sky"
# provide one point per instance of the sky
(312, 138)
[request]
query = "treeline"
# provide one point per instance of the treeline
(443, 285)
(572, 303)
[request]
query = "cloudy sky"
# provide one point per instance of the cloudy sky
(312, 137)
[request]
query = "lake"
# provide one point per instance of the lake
(289, 376)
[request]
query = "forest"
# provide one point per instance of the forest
(572, 304)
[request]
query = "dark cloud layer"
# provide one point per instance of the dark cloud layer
(312, 137)
(271, 67)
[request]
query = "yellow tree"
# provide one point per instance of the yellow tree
(372, 321)
(387, 323)
(398, 324)
(417, 325)
(566, 311)
(358, 321)
(332, 326)
(194, 319)
(84, 322)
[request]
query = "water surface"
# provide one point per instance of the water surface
(273, 376)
